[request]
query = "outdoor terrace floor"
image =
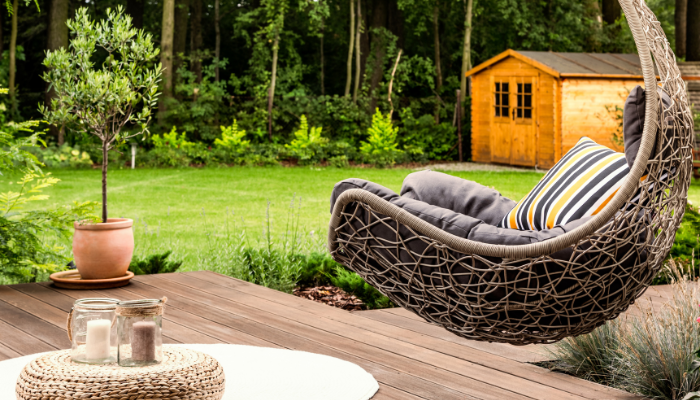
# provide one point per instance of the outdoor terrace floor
(409, 358)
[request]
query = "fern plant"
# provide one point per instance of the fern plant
(381, 147)
(155, 264)
(308, 143)
(232, 138)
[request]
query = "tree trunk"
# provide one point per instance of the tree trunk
(467, 47)
(379, 20)
(323, 60)
(135, 9)
(217, 46)
(182, 14)
(13, 54)
(166, 52)
(196, 41)
(273, 82)
(681, 18)
(105, 161)
(57, 37)
(611, 11)
(692, 43)
(358, 53)
(351, 47)
(438, 68)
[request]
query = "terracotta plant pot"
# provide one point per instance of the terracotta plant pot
(103, 250)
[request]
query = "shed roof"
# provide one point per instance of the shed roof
(573, 64)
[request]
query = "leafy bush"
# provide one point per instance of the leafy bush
(434, 142)
(354, 284)
(381, 147)
(155, 264)
(685, 250)
(232, 138)
(63, 157)
(308, 144)
(171, 140)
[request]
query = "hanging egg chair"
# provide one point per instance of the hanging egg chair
(545, 291)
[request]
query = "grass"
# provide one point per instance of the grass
(183, 209)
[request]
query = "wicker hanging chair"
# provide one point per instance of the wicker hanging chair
(546, 291)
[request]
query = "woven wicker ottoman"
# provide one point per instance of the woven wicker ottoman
(184, 374)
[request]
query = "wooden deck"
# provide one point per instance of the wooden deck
(410, 358)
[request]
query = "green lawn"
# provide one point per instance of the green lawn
(184, 209)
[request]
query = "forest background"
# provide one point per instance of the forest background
(269, 64)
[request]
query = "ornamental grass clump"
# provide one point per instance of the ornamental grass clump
(651, 353)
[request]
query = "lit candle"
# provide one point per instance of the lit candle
(97, 341)
(143, 341)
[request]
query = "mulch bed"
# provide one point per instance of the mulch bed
(332, 296)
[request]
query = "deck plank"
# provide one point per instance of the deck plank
(410, 358)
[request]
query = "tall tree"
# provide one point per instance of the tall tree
(13, 56)
(438, 68)
(681, 19)
(466, 46)
(166, 52)
(351, 48)
(217, 44)
(196, 41)
(693, 32)
(182, 15)
(378, 39)
(275, 11)
(358, 52)
(135, 9)
(56, 38)
(611, 11)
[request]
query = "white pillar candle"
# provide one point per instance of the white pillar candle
(97, 341)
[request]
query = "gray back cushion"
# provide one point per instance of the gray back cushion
(633, 121)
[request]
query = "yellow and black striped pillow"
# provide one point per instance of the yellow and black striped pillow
(579, 185)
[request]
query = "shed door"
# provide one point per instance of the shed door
(513, 130)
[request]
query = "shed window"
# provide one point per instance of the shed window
(524, 106)
(501, 104)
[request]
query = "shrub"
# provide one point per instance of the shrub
(232, 138)
(308, 144)
(435, 142)
(354, 284)
(63, 157)
(685, 250)
(171, 140)
(155, 264)
(381, 147)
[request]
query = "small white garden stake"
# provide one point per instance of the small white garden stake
(133, 155)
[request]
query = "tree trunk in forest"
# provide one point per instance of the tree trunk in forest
(351, 47)
(196, 41)
(323, 61)
(13, 54)
(135, 9)
(681, 18)
(217, 45)
(438, 68)
(379, 21)
(358, 53)
(273, 82)
(467, 47)
(166, 53)
(611, 11)
(182, 14)
(56, 38)
(692, 43)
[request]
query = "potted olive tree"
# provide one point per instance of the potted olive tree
(103, 99)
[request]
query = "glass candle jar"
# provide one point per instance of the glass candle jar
(92, 331)
(139, 332)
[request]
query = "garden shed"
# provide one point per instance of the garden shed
(530, 107)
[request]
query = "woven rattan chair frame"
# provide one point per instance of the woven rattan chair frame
(542, 292)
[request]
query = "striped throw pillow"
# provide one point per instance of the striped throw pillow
(579, 185)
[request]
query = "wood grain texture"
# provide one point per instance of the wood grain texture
(410, 358)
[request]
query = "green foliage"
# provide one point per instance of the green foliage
(436, 142)
(381, 147)
(354, 284)
(308, 143)
(154, 264)
(171, 140)
(63, 157)
(685, 250)
(232, 138)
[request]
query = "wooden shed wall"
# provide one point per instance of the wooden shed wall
(481, 105)
(584, 113)
(546, 120)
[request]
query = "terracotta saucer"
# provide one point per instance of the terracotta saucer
(71, 280)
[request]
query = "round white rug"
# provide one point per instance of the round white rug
(260, 373)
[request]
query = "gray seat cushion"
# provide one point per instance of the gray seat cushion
(633, 121)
